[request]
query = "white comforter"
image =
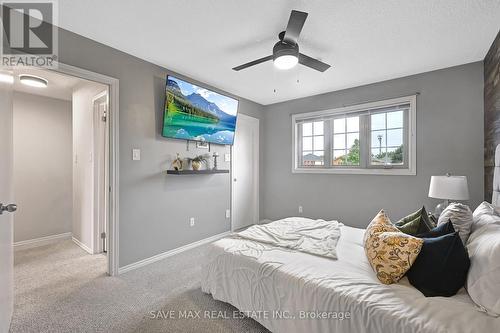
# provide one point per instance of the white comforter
(318, 237)
(278, 287)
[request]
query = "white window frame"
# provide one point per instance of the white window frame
(411, 146)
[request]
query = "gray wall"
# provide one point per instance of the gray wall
(449, 139)
(42, 166)
(154, 208)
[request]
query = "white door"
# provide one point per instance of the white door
(245, 173)
(6, 210)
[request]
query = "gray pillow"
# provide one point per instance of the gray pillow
(460, 216)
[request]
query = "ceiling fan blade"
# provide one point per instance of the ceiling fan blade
(312, 63)
(294, 27)
(252, 63)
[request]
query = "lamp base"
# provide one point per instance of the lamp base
(440, 208)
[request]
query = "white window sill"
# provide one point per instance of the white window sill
(354, 171)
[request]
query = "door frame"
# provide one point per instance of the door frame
(7, 220)
(256, 161)
(114, 157)
(99, 144)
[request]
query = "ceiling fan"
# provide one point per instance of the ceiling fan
(286, 52)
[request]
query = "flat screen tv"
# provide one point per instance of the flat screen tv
(198, 114)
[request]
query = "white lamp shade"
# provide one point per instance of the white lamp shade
(449, 188)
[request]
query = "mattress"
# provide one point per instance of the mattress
(289, 291)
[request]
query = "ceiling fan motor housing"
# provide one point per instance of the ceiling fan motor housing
(286, 51)
(282, 48)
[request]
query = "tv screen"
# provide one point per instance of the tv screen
(195, 113)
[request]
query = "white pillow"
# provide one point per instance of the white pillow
(484, 214)
(483, 280)
(461, 218)
(484, 208)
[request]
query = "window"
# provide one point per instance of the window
(370, 138)
(386, 130)
(346, 141)
(313, 143)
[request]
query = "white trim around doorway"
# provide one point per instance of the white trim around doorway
(114, 158)
(97, 227)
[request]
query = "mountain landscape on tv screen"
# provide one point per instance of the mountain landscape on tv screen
(193, 117)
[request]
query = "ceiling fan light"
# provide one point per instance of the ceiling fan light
(33, 81)
(286, 61)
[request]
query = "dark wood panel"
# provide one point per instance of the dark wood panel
(491, 113)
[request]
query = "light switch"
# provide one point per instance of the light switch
(136, 154)
(227, 157)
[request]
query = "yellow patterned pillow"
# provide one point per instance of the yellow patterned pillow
(390, 252)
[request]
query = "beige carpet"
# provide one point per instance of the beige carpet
(61, 288)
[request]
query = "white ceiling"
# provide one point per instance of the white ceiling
(59, 86)
(365, 41)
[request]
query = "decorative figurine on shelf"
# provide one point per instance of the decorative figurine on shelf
(215, 155)
(177, 163)
(197, 161)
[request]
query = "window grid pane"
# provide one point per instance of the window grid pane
(313, 141)
(387, 143)
(345, 139)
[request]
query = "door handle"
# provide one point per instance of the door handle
(10, 208)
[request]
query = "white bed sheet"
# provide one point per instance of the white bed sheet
(267, 282)
(317, 237)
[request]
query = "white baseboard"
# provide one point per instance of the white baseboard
(83, 246)
(30, 243)
(265, 221)
(167, 254)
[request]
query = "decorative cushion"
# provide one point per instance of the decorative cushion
(484, 208)
(441, 267)
(483, 281)
(443, 229)
(415, 223)
(484, 214)
(390, 252)
(461, 217)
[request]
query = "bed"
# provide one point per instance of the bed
(289, 291)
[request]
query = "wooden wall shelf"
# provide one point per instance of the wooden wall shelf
(195, 172)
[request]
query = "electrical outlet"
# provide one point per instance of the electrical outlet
(228, 213)
(227, 157)
(300, 209)
(191, 221)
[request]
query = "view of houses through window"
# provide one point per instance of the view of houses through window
(313, 143)
(387, 138)
(364, 139)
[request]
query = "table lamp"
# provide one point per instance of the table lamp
(448, 187)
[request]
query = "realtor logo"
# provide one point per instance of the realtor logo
(29, 35)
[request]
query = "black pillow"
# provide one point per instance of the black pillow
(441, 230)
(441, 266)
